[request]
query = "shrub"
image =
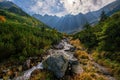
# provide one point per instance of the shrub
(81, 54)
(2, 19)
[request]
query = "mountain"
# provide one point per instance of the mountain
(64, 24)
(21, 35)
(9, 6)
(73, 23)
(16, 14)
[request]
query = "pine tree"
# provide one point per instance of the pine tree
(103, 16)
(86, 26)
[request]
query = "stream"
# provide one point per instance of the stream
(26, 75)
(66, 47)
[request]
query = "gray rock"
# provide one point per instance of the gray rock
(76, 67)
(57, 63)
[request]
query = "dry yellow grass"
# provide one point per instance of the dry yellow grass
(81, 54)
(76, 43)
(89, 76)
(90, 72)
(41, 75)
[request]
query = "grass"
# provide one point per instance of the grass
(81, 54)
(89, 76)
(90, 71)
(114, 67)
(42, 75)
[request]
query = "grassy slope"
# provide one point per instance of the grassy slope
(104, 40)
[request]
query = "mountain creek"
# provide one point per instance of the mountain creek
(67, 60)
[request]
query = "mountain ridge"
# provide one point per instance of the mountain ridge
(64, 24)
(10, 6)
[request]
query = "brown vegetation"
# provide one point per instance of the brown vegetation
(2, 19)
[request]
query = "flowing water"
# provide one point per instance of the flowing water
(26, 75)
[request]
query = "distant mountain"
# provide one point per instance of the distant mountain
(63, 24)
(12, 8)
(73, 23)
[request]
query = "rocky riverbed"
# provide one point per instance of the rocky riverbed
(58, 61)
(65, 61)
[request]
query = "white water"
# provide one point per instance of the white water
(27, 73)
(70, 56)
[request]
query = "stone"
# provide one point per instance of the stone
(57, 63)
(76, 67)
(27, 64)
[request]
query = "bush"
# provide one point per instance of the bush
(2, 19)
(27, 39)
(81, 55)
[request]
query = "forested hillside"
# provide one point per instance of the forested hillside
(22, 36)
(103, 40)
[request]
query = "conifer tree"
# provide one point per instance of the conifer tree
(103, 16)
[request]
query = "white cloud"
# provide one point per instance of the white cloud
(61, 7)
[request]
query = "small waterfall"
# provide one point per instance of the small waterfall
(27, 73)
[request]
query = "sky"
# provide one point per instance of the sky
(60, 7)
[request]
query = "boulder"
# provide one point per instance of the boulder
(77, 69)
(57, 63)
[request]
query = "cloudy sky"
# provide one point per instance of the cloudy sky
(60, 7)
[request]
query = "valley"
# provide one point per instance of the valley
(60, 43)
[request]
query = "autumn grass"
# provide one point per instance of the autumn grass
(42, 75)
(81, 54)
(114, 67)
(2, 19)
(90, 71)
(89, 76)
(76, 43)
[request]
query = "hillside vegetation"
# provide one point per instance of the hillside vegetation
(23, 36)
(103, 40)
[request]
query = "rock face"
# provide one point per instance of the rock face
(57, 63)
